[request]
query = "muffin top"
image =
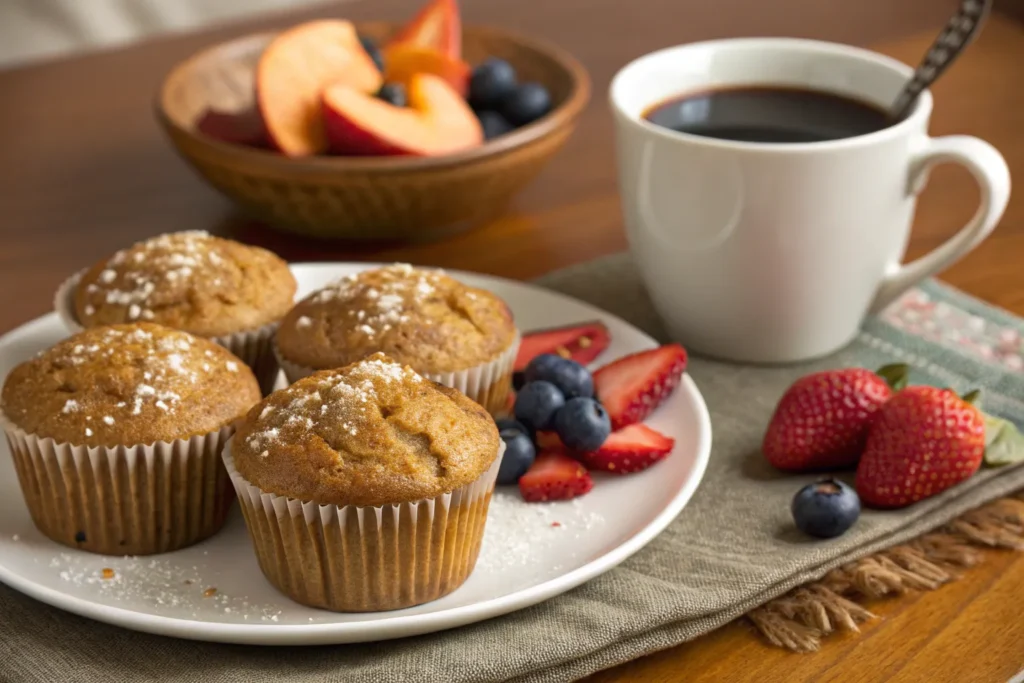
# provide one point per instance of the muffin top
(128, 385)
(422, 318)
(189, 281)
(371, 433)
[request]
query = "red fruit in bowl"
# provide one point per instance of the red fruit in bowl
(631, 387)
(924, 441)
(405, 61)
(243, 127)
(437, 121)
(822, 420)
(438, 25)
(293, 71)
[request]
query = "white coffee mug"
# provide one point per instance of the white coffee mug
(775, 252)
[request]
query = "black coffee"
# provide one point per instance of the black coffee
(769, 114)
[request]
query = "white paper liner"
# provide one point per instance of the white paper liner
(366, 559)
(488, 384)
(126, 500)
(253, 347)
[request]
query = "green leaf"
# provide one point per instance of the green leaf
(971, 396)
(895, 375)
(1004, 444)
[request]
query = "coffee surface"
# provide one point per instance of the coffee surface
(768, 114)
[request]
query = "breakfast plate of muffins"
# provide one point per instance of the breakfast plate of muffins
(207, 443)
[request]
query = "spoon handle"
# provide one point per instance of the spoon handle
(959, 31)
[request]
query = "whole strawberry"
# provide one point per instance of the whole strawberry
(924, 441)
(822, 421)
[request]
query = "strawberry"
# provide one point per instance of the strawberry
(582, 342)
(630, 449)
(554, 476)
(924, 441)
(633, 386)
(822, 420)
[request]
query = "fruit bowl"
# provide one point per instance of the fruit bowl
(370, 198)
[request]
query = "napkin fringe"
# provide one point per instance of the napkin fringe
(800, 619)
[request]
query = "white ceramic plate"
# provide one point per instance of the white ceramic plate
(214, 591)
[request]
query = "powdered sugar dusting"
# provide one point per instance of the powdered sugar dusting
(156, 264)
(398, 289)
(342, 398)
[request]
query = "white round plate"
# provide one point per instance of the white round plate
(214, 591)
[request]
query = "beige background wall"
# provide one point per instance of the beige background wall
(41, 29)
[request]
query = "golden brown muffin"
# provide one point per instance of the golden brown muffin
(422, 318)
(189, 281)
(371, 433)
(128, 385)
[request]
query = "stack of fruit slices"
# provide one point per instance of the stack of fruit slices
(568, 421)
(323, 89)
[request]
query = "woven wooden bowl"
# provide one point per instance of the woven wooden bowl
(407, 198)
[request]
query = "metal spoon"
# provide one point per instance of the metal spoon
(958, 33)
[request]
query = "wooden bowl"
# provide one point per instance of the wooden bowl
(407, 198)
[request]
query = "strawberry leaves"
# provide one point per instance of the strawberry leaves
(1004, 443)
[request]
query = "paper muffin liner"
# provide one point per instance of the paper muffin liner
(366, 559)
(253, 347)
(127, 500)
(488, 384)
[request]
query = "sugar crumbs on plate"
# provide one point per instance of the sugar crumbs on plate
(518, 532)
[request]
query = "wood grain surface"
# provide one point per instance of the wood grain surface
(84, 170)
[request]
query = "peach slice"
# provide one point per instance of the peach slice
(243, 127)
(294, 70)
(403, 61)
(437, 121)
(438, 26)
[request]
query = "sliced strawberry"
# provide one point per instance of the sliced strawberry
(546, 440)
(554, 476)
(237, 128)
(630, 449)
(582, 342)
(632, 387)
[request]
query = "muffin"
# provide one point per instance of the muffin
(210, 287)
(459, 336)
(365, 488)
(116, 434)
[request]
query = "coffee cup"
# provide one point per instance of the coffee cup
(768, 251)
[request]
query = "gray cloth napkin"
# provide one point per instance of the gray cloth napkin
(731, 549)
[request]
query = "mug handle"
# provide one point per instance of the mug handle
(989, 168)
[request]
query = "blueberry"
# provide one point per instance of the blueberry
(518, 380)
(570, 377)
(541, 365)
(825, 509)
(583, 424)
(508, 423)
(491, 82)
(494, 124)
(528, 103)
(79, 537)
(372, 50)
(519, 455)
(393, 93)
(537, 403)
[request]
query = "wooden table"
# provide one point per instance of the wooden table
(84, 170)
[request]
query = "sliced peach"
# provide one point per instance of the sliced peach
(294, 70)
(437, 121)
(437, 26)
(243, 127)
(404, 61)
